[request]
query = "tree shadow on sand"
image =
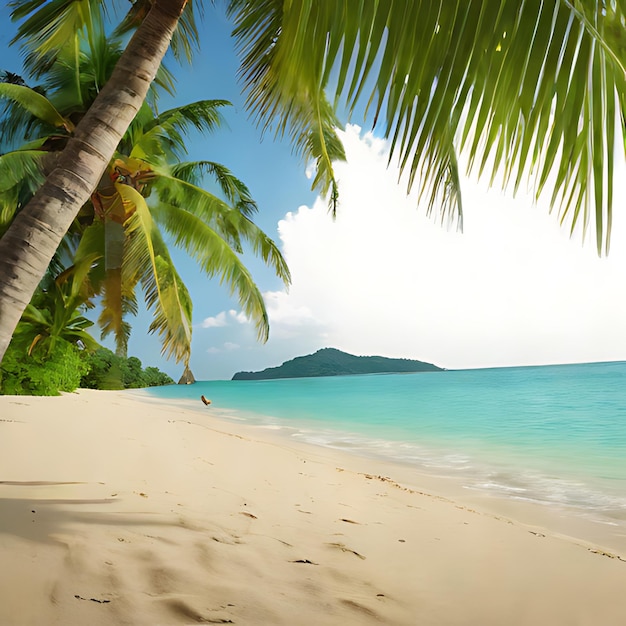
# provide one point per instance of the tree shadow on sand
(44, 520)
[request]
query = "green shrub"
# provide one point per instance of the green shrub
(67, 367)
(39, 375)
(109, 371)
(103, 371)
(154, 377)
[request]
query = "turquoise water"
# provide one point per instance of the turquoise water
(552, 434)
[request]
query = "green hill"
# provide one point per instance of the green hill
(332, 362)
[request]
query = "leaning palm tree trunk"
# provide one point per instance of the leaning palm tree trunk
(30, 243)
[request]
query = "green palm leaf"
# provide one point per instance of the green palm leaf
(74, 280)
(56, 312)
(36, 104)
(20, 177)
(21, 167)
(48, 26)
(147, 260)
(165, 133)
(92, 246)
(229, 224)
(282, 74)
(234, 190)
(534, 91)
(216, 258)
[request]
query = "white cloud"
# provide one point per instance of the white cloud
(227, 346)
(222, 319)
(281, 310)
(287, 318)
(385, 279)
(238, 316)
(216, 321)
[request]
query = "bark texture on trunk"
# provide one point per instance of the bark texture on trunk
(32, 239)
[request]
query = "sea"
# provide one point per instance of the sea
(553, 435)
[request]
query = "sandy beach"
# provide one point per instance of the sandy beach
(117, 510)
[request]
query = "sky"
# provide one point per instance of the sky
(383, 278)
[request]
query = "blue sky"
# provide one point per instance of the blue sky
(382, 278)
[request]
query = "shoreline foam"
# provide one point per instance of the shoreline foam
(550, 434)
(115, 510)
(576, 496)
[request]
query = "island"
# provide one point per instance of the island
(333, 362)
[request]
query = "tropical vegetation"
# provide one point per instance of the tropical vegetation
(40, 374)
(68, 367)
(53, 351)
(46, 353)
(534, 92)
(146, 197)
(108, 370)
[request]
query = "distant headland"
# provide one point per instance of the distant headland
(333, 362)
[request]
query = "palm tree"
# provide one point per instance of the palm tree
(536, 87)
(43, 222)
(146, 188)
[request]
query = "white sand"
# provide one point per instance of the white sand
(119, 511)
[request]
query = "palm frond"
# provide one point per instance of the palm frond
(33, 315)
(55, 312)
(216, 258)
(48, 25)
(92, 246)
(186, 39)
(168, 130)
(117, 300)
(283, 72)
(262, 245)
(81, 71)
(133, 18)
(75, 280)
(10, 77)
(230, 224)
(36, 104)
(316, 140)
(213, 210)
(203, 115)
(20, 177)
(534, 91)
(21, 167)
(147, 260)
(165, 79)
(234, 190)
(171, 305)
(135, 133)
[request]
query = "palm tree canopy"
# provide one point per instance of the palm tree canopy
(145, 188)
(533, 90)
(146, 193)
